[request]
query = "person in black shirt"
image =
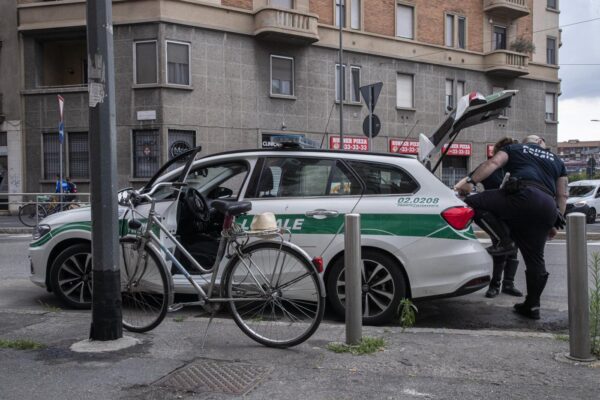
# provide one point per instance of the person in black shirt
(531, 204)
(506, 263)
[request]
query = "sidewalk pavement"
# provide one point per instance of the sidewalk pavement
(170, 363)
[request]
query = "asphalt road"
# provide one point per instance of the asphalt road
(473, 311)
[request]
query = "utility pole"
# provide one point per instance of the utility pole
(106, 298)
(342, 8)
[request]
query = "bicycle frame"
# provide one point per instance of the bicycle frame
(148, 235)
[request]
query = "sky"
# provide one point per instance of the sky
(580, 99)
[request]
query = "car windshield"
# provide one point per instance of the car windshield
(580, 191)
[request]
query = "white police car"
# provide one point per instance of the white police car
(416, 234)
(584, 196)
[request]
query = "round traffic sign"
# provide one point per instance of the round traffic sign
(376, 126)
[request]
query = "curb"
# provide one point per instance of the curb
(16, 230)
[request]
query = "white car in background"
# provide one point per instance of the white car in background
(417, 239)
(584, 196)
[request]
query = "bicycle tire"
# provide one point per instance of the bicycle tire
(29, 216)
(278, 315)
(145, 293)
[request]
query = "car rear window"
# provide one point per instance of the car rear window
(384, 179)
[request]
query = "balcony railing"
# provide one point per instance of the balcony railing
(289, 26)
(511, 9)
(506, 63)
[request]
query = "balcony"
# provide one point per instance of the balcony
(506, 63)
(506, 9)
(289, 26)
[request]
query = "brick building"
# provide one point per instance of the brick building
(577, 153)
(227, 74)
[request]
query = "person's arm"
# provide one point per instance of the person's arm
(562, 193)
(483, 171)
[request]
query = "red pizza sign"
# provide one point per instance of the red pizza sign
(355, 143)
(490, 151)
(459, 149)
(404, 146)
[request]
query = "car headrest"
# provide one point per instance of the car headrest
(266, 181)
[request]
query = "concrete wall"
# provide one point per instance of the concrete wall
(229, 104)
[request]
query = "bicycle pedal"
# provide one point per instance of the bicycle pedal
(175, 307)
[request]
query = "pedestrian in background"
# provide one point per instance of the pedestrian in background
(504, 265)
(532, 204)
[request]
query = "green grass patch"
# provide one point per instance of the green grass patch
(48, 307)
(562, 338)
(179, 318)
(20, 344)
(368, 345)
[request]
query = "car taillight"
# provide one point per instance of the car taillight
(458, 217)
(318, 263)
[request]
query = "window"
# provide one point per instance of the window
(499, 41)
(404, 91)
(283, 3)
(498, 89)
(551, 51)
(3, 139)
(220, 180)
(404, 21)
(449, 94)
(340, 10)
(79, 155)
(355, 83)
(355, 14)
(51, 159)
(384, 179)
(146, 153)
(462, 33)
(61, 62)
(180, 141)
(449, 31)
(460, 89)
(552, 4)
(282, 75)
(337, 83)
(76, 159)
(550, 107)
(453, 170)
(146, 62)
(305, 177)
(178, 63)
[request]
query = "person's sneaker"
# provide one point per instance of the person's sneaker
(511, 290)
(527, 311)
(492, 292)
(502, 250)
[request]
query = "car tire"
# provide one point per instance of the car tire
(591, 216)
(71, 276)
(382, 299)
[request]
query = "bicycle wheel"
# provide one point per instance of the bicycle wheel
(277, 295)
(145, 289)
(31, 213)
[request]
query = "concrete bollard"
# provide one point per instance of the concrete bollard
(579, 312)
(352, 263)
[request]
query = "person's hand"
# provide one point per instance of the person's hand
(552, 233)
(463, 188)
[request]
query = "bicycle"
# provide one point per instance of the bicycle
(31, 214)
(274, 291)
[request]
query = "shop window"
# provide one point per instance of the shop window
(454, 169)
(180, 141)
(146, 153)
(78, 155)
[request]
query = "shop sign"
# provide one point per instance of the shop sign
(459, 149)
(490, 151)
(354, 143)
(404, 146)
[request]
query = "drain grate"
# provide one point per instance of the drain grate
(215, 376)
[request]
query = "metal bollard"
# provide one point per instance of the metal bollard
(579, 318)
(352, 263)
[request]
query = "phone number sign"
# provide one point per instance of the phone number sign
(404, 146)
(355, 143)
(459, 149)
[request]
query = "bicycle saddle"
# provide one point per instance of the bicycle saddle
(231, 207)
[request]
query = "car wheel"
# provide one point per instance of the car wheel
(71, 276)
(383, 287)
(591, 216)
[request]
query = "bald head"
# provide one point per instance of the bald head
(535, 139)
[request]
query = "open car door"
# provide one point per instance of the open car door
(472, 109)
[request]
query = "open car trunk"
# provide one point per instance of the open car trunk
(472, 109)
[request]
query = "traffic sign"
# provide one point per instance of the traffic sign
(375, 125)
(370, 94)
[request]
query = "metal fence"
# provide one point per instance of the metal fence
(39, 205)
